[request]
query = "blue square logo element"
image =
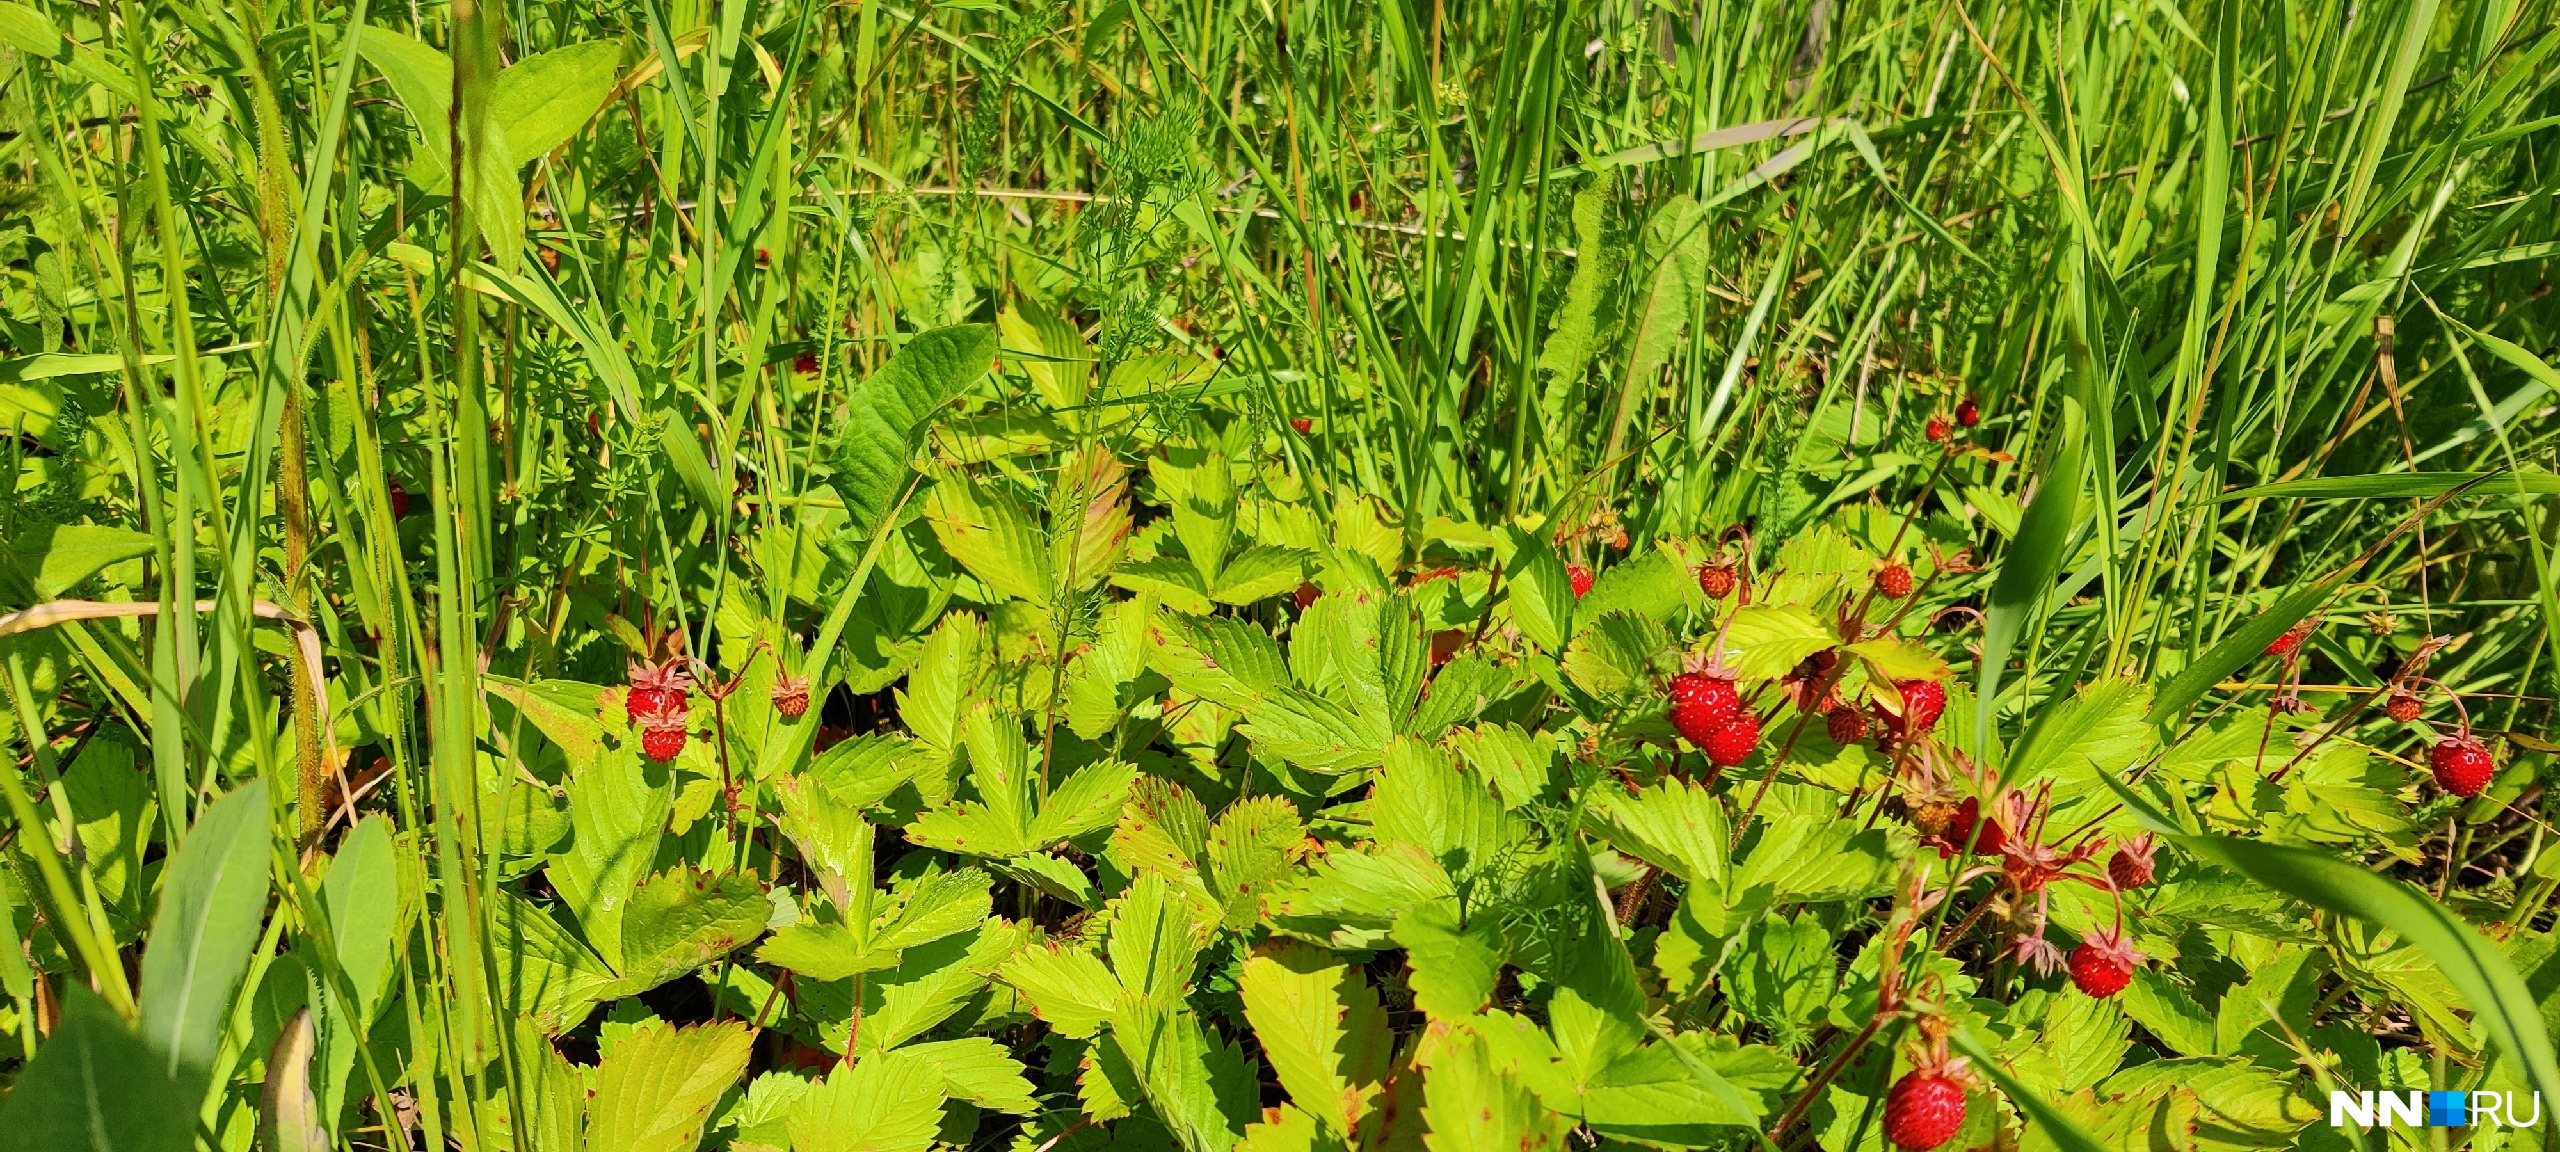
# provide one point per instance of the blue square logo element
(2448, 1109)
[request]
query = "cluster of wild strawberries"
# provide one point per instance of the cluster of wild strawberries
(2460, 762)
(656, 702)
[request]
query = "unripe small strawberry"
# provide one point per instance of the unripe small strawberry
(1732, 744)
(2131, 865)
(2402, 706)
(2103, 964)
(791, 697)
(1968, 413)
(1939, 428)
(662, 736)
(2462, 764)
(1302, 424)
(1716, 580)
(1894, 581)
(1923, 1110)
(1578, 575)
(1846, 724)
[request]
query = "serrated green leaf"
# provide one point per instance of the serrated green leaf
(1320, 1026)
(683, 919)
(1452, 966)
(655, 1089)
(890, 1102)
(1766, 640)
(887, 414)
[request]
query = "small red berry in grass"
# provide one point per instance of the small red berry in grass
(1968, 413)
(1732, 743)
(656, 690)
(805, 363)
(662, 736)
(1939, 428)
(2291, 642)
(1923, 1110)
(1716, 580)
(1307, 594)
(1302, 425)
(2462, 764)
(1846, 724)
(2131, 866)
(2103, 964)
(1991, 841)
(791, 696)
(2402, 706)
(1578, 575)
(764, 256)
(399, 501)
(1894, 582)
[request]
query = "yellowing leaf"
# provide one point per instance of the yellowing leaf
(657, 1086)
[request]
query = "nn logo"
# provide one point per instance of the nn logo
(2434, 1109)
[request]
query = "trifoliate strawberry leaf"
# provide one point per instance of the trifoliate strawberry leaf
(1320, 1026)
(1765, 640)
(1451, 966)
(1261, 572)
(980, 1071)
(1069, 988)
(681, 920)
(1617, 658)
(1675, 825)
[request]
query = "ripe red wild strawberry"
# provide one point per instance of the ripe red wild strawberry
(1732, 743)
(1922, 702)
(1894, 582)
(1302, 425)
(1923, 1110)
(656, 690)
(1846, 724)
(2291, 642)
(2131, 865)
(1578, 575)
(2402, 706)
(1716, 580)
(791, 696)
(399, 501)
(1991, 841)
(2103, 964)
(805, 363)
(662, 736)
(2462, 764)
(1307, 594)
(1939, 428)
(1701, 704)
(1968, 413)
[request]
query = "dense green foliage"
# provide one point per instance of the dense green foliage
(1050, 574)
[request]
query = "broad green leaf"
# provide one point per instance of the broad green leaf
(1542, 601)
(1155, 936)
(618, 809)
(1894, 658)
(1675, 825)
(544, 974)
(1320, 1027)
(94, 1086)
(1452, 967)
(52, 559)
(1424, 798)
(1766, 641)
(422, 78)
(288, 1113)
(1618, 657)
(1656, 584)
(29, 31)
(2500, 1004)
(978, 1070)
(992, 536)
(2155, 1001)
(564, 711)
(2099, 728)
(2050, 1122)
(1471, 1105)
(887, 415)
(656, 1087)
(1818, 859)
(543, 99)
(1259, 573)
(1069, 988)
(1249, 850)
(1085, 802)
(681, 920)
(362, 895)
(213, 896)
(1201, 1088)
